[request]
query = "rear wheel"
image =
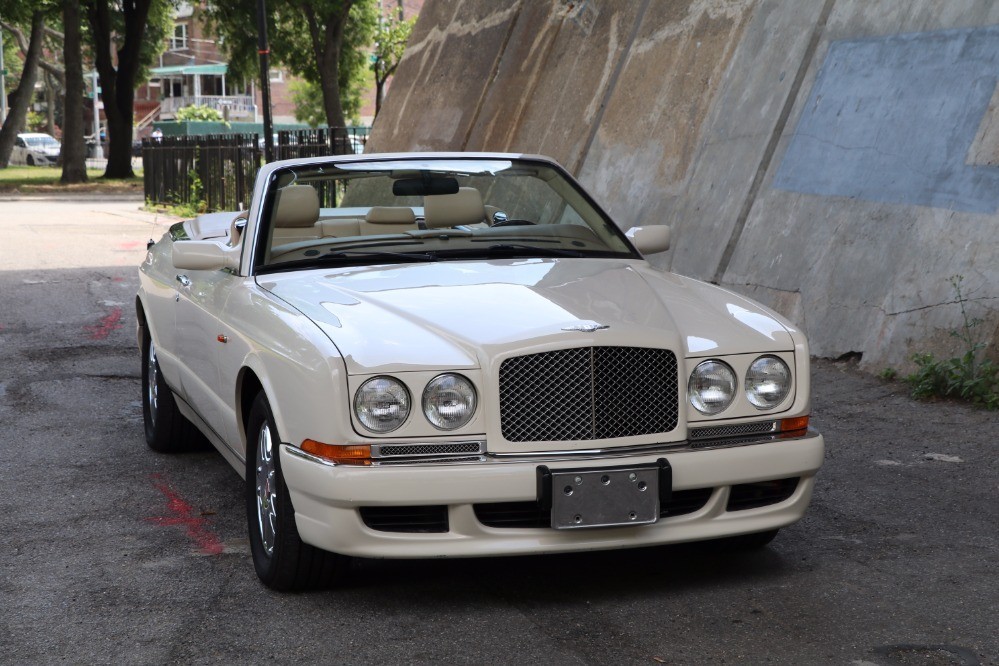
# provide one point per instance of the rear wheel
(282, 560)
(31, 160)
(167, 431)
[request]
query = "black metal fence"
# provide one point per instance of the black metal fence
(216, 172)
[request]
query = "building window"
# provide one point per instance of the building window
(276, 75)
(179, 40)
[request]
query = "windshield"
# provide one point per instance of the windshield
(41, 141)
(433, 209)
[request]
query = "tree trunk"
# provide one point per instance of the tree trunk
(379, 94)
(49, 104)
(326, 45)
(74, 151)
(21, 99)
(118, 84)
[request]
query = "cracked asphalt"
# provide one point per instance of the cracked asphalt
(115, 554)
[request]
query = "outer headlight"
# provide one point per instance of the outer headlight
(711, 388)
(381, 404)
(449, 401)
(768, 381)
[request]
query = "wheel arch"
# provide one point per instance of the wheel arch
(140, 320)
(248, 385)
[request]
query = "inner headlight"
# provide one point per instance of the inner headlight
(711, 388)
(449, 401)
(768, 382)
(381, 404)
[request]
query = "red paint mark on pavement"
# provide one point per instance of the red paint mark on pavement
(180, 512)
(117, 279)
(130, 245)
(104, 328)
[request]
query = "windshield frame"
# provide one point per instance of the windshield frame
(345, 164)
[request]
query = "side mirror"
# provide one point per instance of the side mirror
(649, 240)
(205, 255)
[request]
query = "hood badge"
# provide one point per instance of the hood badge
(585, 327)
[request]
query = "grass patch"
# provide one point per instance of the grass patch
(45, 180)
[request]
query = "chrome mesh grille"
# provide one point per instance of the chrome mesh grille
(715, 432)
(428, 449)
(588, 393)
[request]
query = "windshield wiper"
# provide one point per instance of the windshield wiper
(350, 258)
(383, 254)
(512, 250)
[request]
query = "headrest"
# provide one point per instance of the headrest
(390, 215)
(296, 206)
(449, 210)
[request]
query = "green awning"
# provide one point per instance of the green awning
(184, 70)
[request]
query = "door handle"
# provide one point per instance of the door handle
(184, 280)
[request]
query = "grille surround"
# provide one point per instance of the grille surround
(588, 393)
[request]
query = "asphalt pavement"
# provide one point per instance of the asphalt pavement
(115, 554)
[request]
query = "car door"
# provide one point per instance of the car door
(202, 296)
(17, 156)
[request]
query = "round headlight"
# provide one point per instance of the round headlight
(768, 382)
(381, 404)
(449, 401)
(711, 388)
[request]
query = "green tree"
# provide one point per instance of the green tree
(390, 43)
(20, 101)
(308, 100)
(135, 31)
(199, 113)
(324, 42)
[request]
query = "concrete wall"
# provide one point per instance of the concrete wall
(834, 159)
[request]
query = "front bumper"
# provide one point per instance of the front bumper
(327, 499)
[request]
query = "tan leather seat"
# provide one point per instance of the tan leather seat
(296, 211)
(451, 210)
(388, 220)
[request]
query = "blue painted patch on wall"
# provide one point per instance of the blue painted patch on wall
(891, 119)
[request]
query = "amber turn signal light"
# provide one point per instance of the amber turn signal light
(795, 426)
(343, 454)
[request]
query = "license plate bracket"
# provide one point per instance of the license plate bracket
(604, 496)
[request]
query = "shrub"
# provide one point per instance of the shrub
(968, 376)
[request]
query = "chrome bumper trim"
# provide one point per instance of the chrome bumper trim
(685, 446)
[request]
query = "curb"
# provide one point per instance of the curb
(79, 196)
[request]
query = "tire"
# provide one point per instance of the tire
(31, 160)
(167, 431)
(282, 560)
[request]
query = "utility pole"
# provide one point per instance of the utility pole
(265, 80)
(3, 83)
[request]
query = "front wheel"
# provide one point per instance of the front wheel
(167, 431)
(31, 160)
(282, 560)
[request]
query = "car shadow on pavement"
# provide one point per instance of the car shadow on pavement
(603, 574)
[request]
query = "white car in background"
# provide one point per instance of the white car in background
(33, 149)
(461, 355)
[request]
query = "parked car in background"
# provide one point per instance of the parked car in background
(461, 355)
(35, 149)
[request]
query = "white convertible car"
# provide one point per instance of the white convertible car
(459, 355)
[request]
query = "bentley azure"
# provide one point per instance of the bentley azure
(463, 355)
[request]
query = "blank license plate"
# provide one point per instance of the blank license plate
(605, 497)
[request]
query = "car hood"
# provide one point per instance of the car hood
(454, 315)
